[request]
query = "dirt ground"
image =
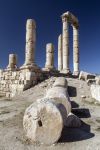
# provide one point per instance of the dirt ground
(87, 137)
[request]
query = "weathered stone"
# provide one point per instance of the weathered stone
(85, 76)
(97, 79)
(65, 44)
(95, 92)
(49, 65)
(60, 81)
(91, 81)
(30, 41)
(12, 62)
(43, 122)
(59, 95)
(75, 50)
(66, 19)
(60, 57)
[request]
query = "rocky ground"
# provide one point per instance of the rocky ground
(87, 137)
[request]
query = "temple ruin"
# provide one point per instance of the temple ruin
(16, 79)
(63, 44)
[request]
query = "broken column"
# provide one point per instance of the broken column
(12, 62)
(30, 43)
(60, 58)
(49, 65)
(43, 122)
(65, 39)
(44, 119)
(75, 50)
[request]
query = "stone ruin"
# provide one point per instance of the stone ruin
(13, 79)
(45, 118)
(63, 44)
(16, 79)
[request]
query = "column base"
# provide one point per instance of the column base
(76, 73)
(66, 71)
(32, 66)
(49, 69)
(11, 68)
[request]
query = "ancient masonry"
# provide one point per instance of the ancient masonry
(16, 79)
(13, 79)
(63, 44)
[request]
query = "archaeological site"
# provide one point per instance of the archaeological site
(49, 108)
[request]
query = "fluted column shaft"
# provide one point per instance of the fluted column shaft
(65, 45)
(75, 51)
(30, 41)
(12, 61)
(60, 58)
(49, 56)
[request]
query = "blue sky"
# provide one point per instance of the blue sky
(13, 16)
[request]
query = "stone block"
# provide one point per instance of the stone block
(85, 76)
(95, 92)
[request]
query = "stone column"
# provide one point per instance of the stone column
(60, 60)
(30, 42)
(65, 44)
(12, 62)
(75, 50)
(49, 56)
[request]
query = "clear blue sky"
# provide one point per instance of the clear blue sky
(13, 15)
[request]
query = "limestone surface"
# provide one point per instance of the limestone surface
(43, 122)
(85, 76)
(95, 92)
(59, 95)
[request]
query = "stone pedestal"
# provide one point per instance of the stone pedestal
(75, 51)
(12, 62)
(60, 57)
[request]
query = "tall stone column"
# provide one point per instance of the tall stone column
(49, 56)
(75, 50)
(12, 62)
(65, 44)
(60, 58)
(30, 42)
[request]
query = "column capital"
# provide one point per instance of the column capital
(65, 19)
(75, 26)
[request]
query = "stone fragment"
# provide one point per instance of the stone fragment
(91, 81)
(60, 81)
(95, 92)
(43, 122)
(85, 76)
(97, 79)
(59, 95)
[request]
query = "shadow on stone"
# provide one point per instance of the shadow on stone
(76, 134)
(74, 104)
(81, 112)
(72, 91)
